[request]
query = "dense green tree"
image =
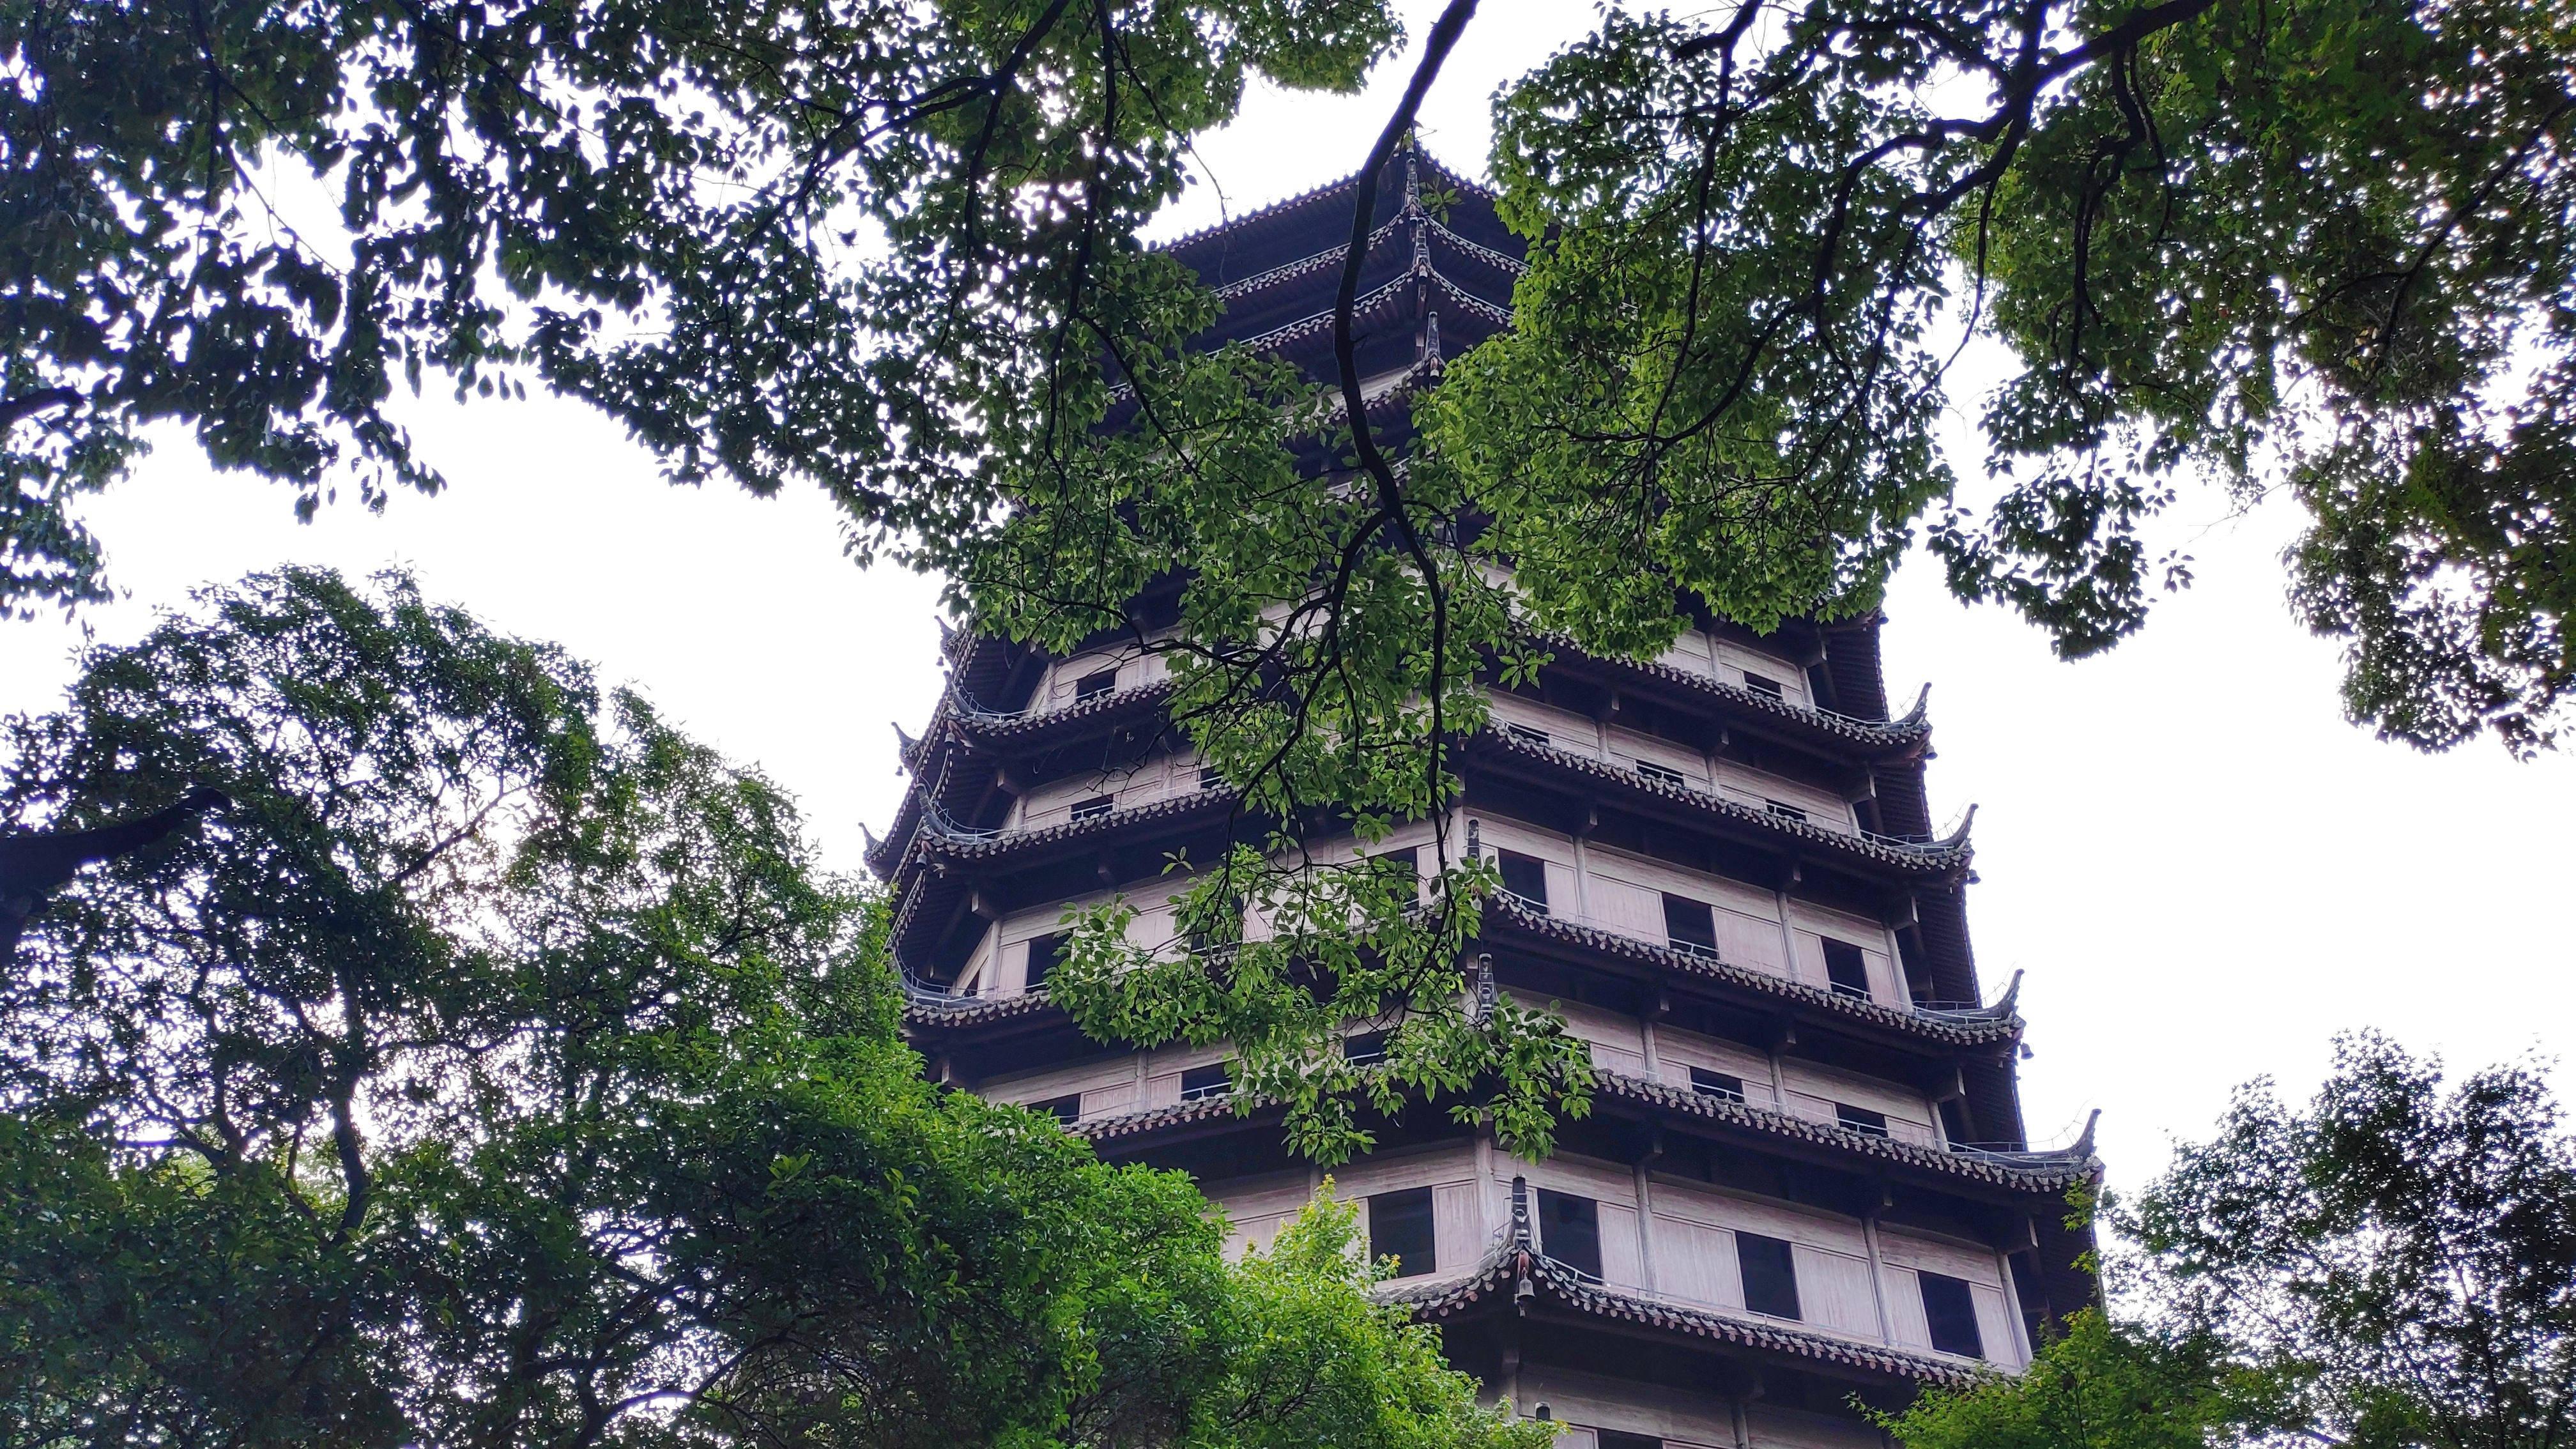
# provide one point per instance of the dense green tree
(2099, 1384)
(2396, 1258)
(2392, 1266)
(891, 248)
(496, 1068)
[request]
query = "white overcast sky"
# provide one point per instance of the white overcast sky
(2204, 870)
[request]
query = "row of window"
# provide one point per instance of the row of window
(1197, 1085)
(1569, 1231)
(1728, 1088)
(1649, 770)
(1690, 926)
(1102, 681)
(1210, 778)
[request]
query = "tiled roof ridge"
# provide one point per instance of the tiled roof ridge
(995, 725)
(2053, 1178)
(1914, 725)
(1308, 326)
(1516, 1267)
(1308, 197)
(925, 843)
(1332, 257)
(1961, 1032)
(1937, 858)
(2050, 1179)
(2002, 1028)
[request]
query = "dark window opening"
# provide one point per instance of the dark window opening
(1717, 1084)
(1621, 1439)
(1095, 684)
(1762, 684)
(1860, 1119)
(1066, 1109)
(1526, 735)
(1399, 1227)
(1691, 926)
(1095, 807)
(1407, 865)
(1661, 774)
(1784, 810)
(1524, 876)
(1846, 968)
(1361, 1048)
(1954, 1121)
(1200, 1083)
(1044, 952)
(1569, 1230)
(1950, 1311)
(1211, 778)
(1770, 1272)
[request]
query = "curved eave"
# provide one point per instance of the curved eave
(1012, 846)
(1842, 1147)
(1895, 739)
(1436, 238)
(940, 866)
(1942, 860)
(1021, 734)
(1839, 1147)
(1748, 986)
(1322, 210)
(927, 1012)
(1519, 1279)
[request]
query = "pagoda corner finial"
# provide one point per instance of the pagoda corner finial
(947, 635)
(1922, 701)
(2084, 1140)
(904, 744)
(2012, 990)
(868, 842)
(1966, 823)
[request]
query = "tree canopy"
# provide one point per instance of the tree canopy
(495, 1067)
(892, 248)
(2390, 1266)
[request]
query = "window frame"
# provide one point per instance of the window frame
(1532, 870)
(1754, 1250)
(1708, 1083)
(1408, 1201)
(1846, 958)
(1034, 974)
(1563, 1230)
(1960, 1312)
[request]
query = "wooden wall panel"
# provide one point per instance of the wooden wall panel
(1696, 1263)
(1459, 1236)
(1834, 1291)
(1621, 1265)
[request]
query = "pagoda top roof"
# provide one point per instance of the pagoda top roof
(1436, 272)
(1241, 247)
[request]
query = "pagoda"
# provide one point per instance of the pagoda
(1804, 1180)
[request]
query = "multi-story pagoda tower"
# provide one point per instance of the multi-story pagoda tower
(1804, 1177)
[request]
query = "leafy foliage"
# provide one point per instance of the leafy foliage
(890, 248)
(2101, 1384)
(2391, 1267)
(498, 1070)
(2398, 1259)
